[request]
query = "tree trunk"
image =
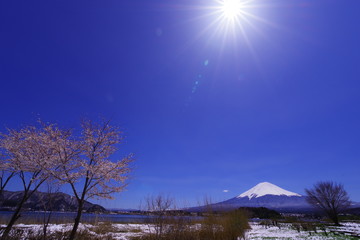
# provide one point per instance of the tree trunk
(335, 219)
(14, 218)
(46, 224)
(1, 197)
(77, 220)
(333, 216)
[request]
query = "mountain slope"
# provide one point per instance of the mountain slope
(266, 188)
(269, 201)
(46, 201)
(267, 195)
(262, 195)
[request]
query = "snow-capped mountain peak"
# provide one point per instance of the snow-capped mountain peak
(266, 188)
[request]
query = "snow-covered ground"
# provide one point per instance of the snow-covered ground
(285, 231)
(118, 231)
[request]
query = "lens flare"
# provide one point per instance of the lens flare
(234, 20)
(231, 9)
(232, 16)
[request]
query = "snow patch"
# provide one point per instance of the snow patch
(266, 188)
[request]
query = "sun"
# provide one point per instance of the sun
(231, 17)
(232, 9)
(233, 14)
(230, 22)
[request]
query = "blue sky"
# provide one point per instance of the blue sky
(274, 99)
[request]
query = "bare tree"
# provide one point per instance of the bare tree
(159, 206)
(329, 197)
(29, 155)
(86, 166)
(51, 189)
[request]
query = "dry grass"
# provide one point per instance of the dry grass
(229, 226)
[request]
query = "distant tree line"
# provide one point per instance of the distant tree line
(47, 153)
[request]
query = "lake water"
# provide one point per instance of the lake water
(59, 217)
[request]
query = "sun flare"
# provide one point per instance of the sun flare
(231, 22)
(231, 9)
(234, 18)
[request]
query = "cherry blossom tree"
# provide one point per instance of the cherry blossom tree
(6, 172)
(86, 166)
(30, 155)
(83, 161)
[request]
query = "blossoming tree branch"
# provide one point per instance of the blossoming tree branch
(82, 161)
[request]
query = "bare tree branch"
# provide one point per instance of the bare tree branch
(329, 197)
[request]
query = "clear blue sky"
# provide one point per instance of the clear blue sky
(275, 98)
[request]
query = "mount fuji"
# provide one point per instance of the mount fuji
(267, 195)
(266, 188)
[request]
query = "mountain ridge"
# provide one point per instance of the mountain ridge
(264, 194)
(42, 201)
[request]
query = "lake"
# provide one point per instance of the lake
(60, 217)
